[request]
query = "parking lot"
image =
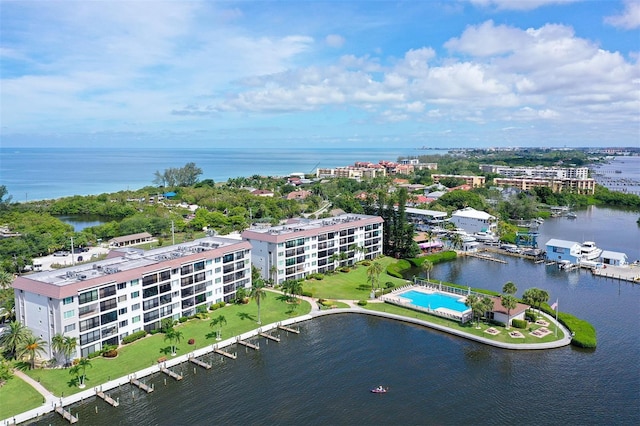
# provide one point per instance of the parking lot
(44, 263)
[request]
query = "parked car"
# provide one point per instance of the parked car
(61, 253)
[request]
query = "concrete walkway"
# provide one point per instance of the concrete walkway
(48, 396)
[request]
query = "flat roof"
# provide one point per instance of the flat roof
(561, 243)
(127, 259)
(422, 212)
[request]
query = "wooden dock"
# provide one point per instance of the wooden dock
(248, 345)
(288, 329)
(138, 383)
(171, 373)
(485, 257)
(108, 399)
(202, 364)
(270, 337)
(66, 415)
(223, 353)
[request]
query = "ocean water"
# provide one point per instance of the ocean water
(45, 173)
(621, 174)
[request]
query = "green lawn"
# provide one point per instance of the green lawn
(145, 352)
(470, 328)
(349, 286)
(17, 396)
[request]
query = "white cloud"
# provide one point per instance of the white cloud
(518, 4)
(334, 40)
(630, 17)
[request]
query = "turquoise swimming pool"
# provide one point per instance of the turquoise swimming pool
(435, 301)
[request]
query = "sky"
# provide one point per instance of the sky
(439, 74)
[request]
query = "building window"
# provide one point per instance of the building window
(122, 298)
(124, 323)
(69, 314)
(122, 311)
(135, 307)
(134, 282)
(69, 328)
(135, 319)
(122, 286)
(67, 300)
(135, 294)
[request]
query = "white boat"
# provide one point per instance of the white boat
(572, 215)
(589, 251)
(484, 237)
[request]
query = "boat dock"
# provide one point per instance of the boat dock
(108, 399)
(171, 373)
(202, 364)
(269, 336)
(486, 257)
(66, 415)
(223, 353)
(288, 329)
(139, 384)
(626, 273)
(248, 344)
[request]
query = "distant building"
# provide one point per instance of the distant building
(538, 171)
(580, 186)
(560, 250)
(501, 314)
(474, 181)
(472, 220)
(130, 240)
(614, 258)
(296, 250)
(102, 302)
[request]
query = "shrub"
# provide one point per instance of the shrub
(112, 353)
(530, 316)
(345, 269)
(307, 294)
(182, 319)
(222, 304)
(154, 331)
(518, 323)
(584, 334)
(498, 323)
(134, 336)
(93, 355)
(362, 302)
(213, 307)
(366, 262)
(389, 284)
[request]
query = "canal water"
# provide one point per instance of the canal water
(323, 375)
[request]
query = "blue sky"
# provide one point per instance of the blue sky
(306, 73)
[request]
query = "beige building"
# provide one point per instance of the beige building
(580, 186)
(474, 181)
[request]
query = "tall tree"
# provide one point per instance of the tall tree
(57, 344)
(509, 302)
(373, 273)
(218, 321)
(13, 338)
(174, 337)
(258, 294)
(427, 267)
(32, 346)
(509, 288)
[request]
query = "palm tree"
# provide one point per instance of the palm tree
(70, 344)
(373, 273)
(173, 336)
(509, 288)
(295, 288)
(487, 304)
(79, 371)
(258, 293)
(32, 346)
(456, 240)
(14, 337)
(427, 267)
(218, 321)
(541, 297)
(273, 272)
(57, 344)
(472, 302)
(6, 279)
(334, 258)
(509, 302)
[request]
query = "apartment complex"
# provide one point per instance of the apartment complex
(298, 249)
(474, 181)
(580, 186)
(101, 302)
(538, 171)
(366, 170)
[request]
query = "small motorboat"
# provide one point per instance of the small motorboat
(379, 389)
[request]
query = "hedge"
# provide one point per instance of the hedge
(584, 334)
(518, 323)
(134, 336)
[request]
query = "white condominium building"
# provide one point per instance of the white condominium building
(298, 249)
(538, 171)
(101, 302)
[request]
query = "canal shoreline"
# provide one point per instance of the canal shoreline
(52, 402)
